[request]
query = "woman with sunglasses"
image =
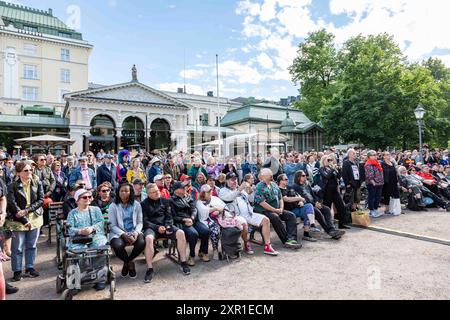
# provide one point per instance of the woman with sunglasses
(330, 177)
(87, 220)
(25, 200)
(59, 193)
(104, 199)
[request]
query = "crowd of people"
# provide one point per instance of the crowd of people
(190, 197)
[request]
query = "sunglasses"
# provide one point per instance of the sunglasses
(105, 191)
(42, 159)
(28, 170)
(330, 160)
(303, 175)
(86, 197)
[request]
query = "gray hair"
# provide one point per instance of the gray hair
(266, 171)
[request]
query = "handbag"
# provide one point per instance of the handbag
(361, 218)
(82, 239)
(395, 207)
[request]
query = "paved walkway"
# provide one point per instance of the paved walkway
(364, 264)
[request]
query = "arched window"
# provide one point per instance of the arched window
(133, 133)
(160, 135)
(103, 134)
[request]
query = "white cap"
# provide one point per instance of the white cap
(158, 177)
(79, 193)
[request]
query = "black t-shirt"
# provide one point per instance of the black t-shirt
(289, 192)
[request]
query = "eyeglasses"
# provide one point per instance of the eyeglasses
(86, 197)
(284, 179)
(303, 175)
(42, 159)
(330, 160)
(106, 190)
(28, 170)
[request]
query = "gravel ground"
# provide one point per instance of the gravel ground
(363, 265)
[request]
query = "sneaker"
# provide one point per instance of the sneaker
(205, 258)
(191, 261)
(125, 270)
(17, 276)
(10, 289)
(31, 273)
(336, 234)
(315, 229)
(148, 276)
(132, 270)
(343, 226)
(292, 244)
(186, 270)
(248, 249)
(309, 238)
(377, 214)
(270, 251)
(100, 286)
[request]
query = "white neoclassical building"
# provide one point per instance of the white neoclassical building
(128, 115)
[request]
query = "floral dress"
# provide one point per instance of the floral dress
(82, 219)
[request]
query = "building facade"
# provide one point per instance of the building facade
(41, 59)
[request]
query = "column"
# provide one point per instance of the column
(118, 139)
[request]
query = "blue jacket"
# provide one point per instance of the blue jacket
(291, 168)
(105, 175)
(77, 175)
(153, 172)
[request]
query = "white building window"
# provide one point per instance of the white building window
(30, 28)
(30, 49)
(65, 54)
(62, 92)
(65, 75)
(30, 72)
(30, 93)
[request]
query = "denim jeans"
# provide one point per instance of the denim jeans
(24, 240)
(197, 230)
(374, 193)
(303, 213)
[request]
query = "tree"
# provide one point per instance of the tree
(315, 69)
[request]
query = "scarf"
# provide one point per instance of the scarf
(375, 163)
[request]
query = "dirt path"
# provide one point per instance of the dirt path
(363, 265)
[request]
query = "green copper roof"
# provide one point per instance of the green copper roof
(263, 112)
(34, 121)
(44, 21)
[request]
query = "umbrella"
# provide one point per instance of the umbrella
(45, 141)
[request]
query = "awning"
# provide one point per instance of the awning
(45, 141)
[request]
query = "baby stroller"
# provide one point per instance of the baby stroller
(84, 267)
(230, 238)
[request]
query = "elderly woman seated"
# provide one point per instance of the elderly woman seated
(86, 228)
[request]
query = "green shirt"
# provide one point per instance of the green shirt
(270, 194)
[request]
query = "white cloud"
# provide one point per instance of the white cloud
(244, 74)
(192, 73)
(265, 61)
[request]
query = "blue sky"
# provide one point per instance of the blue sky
(256, 39)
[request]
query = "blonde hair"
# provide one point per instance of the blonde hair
(265, 171)
(324, 159)
(211, 161)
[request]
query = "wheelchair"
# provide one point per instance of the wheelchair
(79, 270)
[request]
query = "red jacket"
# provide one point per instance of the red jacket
(164, 192)
(427, 176)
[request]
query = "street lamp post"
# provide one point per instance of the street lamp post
(420, 113)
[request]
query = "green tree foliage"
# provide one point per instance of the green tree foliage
(367, 91)
(315, 70)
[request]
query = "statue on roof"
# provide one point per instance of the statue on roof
(134, 73)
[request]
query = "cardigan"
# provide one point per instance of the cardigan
(116, 214)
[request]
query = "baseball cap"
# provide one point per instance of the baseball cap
(158, 177)
(185, 177)
(108, 156)
(205, 188)
(83, 158)
(231, 175)
(179, 185)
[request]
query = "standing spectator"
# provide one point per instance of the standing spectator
(199, 181)
(212, 168)
(155, 169)
(136, 172)
(273, 163)
(83, 172)
(123, 163)
(374, 183)
(312, 170)
(269, 202)
(168, 183)
(185, 214)
(230, 167)
(107, 172)
(125, 215)
(69, 167)
(330, 189)
(25, 199)
(101, 154)
(50, 159)
(59, 193)
(91, 161)
(290, 168)
(48, 182)
(352, 180)
(196, 168)
(139, 193)
(172, 168)
(221, 181)
(390, 187)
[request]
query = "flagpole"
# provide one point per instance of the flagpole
(218, 105)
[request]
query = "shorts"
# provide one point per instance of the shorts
(255, 219)
(157, 235)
